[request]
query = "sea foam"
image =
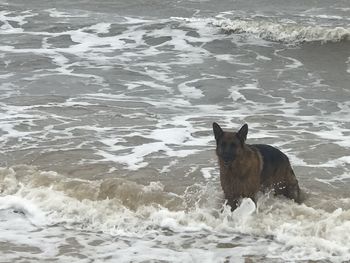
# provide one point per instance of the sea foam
(283, 32)
(123, 208)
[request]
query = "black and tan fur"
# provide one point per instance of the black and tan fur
(247, 169)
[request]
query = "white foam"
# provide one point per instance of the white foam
(171, 135)
(289, 33)
(5, 76)
(208, 172)
(8, 181)
(260, 57)
(151, 84)
(339, 178)
(190, 91)
(339, 162)
(6, 17)
(235, 94)
(278, 228)
(101, 28)
(336, 135)
(53, 12)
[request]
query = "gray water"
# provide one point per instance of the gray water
(107, 152)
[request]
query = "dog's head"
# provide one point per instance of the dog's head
(229, 145)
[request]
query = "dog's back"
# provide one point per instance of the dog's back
(277, 172)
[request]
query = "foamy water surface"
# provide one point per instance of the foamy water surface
(107, 153)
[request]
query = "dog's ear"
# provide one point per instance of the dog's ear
(218, 132)
(242, 133)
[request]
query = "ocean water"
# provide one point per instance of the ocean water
(106, 147)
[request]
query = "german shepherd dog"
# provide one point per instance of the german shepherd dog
(247, 169)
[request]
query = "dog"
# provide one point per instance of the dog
(247, 169)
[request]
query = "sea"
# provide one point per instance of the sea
(107, 152)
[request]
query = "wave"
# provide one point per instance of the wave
(283, 32)
(101, 205)
(125, 208)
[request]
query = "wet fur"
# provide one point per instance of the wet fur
(247, 169)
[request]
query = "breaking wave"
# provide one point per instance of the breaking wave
(121, 207)
(283, 32)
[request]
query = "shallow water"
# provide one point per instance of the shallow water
(107, 151)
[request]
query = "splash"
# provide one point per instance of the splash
(122, 208)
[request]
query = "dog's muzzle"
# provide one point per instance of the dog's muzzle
(228, 160)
